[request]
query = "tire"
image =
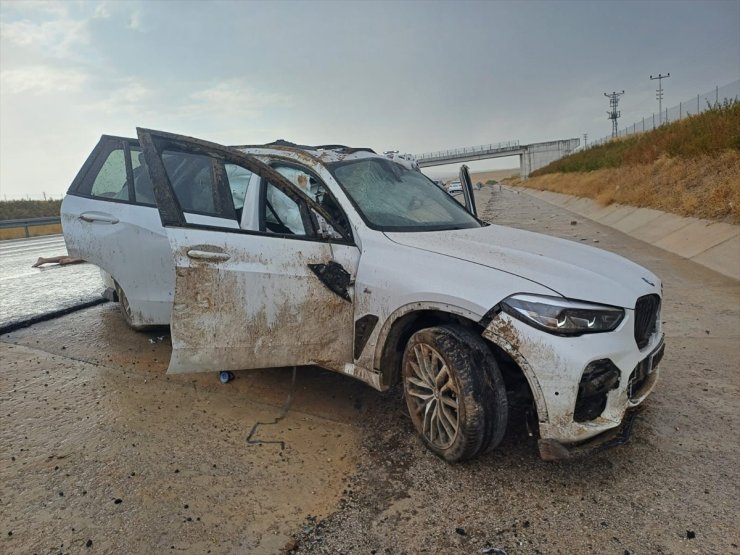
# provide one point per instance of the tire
(125, 309)
(454, 392)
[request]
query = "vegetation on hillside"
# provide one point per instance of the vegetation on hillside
(704, 187)
(22, 209)
(690, 167)
(708, 133)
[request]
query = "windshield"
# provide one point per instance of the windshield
(391, 197)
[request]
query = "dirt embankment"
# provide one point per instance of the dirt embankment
(703, 187)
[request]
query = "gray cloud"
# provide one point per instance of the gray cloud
(413, 76)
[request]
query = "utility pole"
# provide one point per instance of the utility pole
(585, 140)
(659, 92)
(614, 114)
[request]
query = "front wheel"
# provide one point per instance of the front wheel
(454, 392)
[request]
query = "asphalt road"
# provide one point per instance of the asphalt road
(27, 291)
(99, 447)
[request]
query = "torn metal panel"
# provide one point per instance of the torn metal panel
(335, 277)
(361, 373)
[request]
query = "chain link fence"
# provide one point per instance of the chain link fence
(695, 105)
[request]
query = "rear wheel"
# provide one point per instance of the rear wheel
(125, 309)
(454, 392)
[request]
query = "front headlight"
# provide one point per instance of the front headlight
(562, 316)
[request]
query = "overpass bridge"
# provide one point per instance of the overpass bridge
(531, 157)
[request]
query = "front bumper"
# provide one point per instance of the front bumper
(554, 365)
(551, 450)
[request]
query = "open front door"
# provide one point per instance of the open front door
(278, 296)
(467, 187)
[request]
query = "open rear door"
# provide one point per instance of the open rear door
(467, 187)
(243, 298)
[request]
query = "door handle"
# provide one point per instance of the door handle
(207, 255)
(101, 217)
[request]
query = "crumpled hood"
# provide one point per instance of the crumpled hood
(568, 268)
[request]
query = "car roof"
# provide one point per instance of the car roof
(325, 154)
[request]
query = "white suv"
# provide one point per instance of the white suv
(283, 255)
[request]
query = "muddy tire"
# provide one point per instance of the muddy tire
(125, 309)
(454, 392)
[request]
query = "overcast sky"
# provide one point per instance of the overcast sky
(408, 76)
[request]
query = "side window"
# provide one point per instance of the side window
(111, 179)
(238, 184)
(282, 214)
(142, 184)
(317, 191)
(194, 181)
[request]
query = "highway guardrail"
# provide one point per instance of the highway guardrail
(29, 222)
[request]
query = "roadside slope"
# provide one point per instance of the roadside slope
(690, 168)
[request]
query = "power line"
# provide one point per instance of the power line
(659, 92)
(614, 114)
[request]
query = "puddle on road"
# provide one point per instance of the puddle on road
(98, 420)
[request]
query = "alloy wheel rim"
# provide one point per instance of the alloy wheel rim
(432, 396)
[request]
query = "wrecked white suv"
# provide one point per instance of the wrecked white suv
(282, 255)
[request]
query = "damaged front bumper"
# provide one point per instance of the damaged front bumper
(554, 367)
(552, 450)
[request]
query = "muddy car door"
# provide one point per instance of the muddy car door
(277, 296)
(467, 189)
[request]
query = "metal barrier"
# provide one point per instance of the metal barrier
(30, 222)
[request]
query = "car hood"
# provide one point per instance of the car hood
(568, 268)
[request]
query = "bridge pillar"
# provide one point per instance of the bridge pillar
(539, 155)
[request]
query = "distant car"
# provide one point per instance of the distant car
(283, 255)
(454, 187)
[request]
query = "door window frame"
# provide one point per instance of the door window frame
(288, 163)
(85, 178)
(153, 143)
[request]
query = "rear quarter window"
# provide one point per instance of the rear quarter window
(110, 182)
(104, 175)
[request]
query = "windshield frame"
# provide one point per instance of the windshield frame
(332, 167)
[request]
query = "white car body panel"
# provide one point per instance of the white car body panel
(571, 269)
(394, 279)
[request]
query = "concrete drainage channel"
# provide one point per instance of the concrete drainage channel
(715, 245)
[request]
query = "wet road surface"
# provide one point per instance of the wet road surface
(27, 291)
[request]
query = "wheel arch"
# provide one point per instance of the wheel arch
(407, 320)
